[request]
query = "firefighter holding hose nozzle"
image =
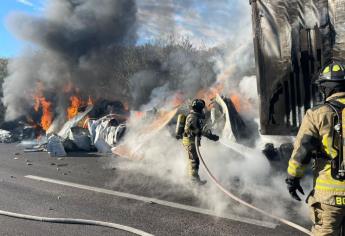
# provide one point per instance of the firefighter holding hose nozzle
(321, 139)
(190, 127)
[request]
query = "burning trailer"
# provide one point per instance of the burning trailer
(292, 42)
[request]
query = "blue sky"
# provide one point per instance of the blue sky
(204, 22)
(9, 45)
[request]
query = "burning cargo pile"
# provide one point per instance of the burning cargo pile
(89, 129)
(88, 126)
(100, 126)
(89, 58)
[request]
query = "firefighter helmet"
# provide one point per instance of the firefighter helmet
(332, 72)
(198, 105)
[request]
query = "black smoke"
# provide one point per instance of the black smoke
(75, 41)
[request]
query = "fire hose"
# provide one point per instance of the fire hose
(239, 200)
(76, 221)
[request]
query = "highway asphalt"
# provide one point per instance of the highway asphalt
(89, 191)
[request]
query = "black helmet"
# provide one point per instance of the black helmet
(332, 72)
(198, 105)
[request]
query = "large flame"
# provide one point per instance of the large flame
(47, 114)
(46, 107)
(75, 103)
(210, 93)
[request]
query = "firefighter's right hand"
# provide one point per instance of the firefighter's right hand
(214, 137)
(293, 185)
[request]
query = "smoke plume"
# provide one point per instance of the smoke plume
(75, 41)
(94, 45)
(245, 171)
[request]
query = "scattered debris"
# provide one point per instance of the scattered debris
(6, 136)
(106, 133)
(80, 138)
(62, 165)
(55, 147)
(27, 150)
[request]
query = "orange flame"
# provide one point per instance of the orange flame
(47, 117)
(208, 94)
(177, 99)
(72, 111)
(75, 103)
(47, 114)
(236, 101)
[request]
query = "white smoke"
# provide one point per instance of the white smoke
(71, 53)
(248, 173)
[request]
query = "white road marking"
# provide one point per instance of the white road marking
(156, 201)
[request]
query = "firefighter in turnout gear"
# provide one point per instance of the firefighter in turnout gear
(321, 139)
(194, 127)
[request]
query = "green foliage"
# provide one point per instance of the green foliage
(3, 69)
(3, 74)
(171, 60)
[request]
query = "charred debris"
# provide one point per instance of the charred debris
(101, 126)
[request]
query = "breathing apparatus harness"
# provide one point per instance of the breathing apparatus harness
(331, 75)
(338, 163)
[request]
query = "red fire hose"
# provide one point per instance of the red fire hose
(237, 199)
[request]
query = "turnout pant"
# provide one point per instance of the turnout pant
(327, 220)
(193, 161)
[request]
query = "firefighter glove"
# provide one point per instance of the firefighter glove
(208, 134)
(293, 185)
(214, 137)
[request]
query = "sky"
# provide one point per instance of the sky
(203, 22)
(9, 45)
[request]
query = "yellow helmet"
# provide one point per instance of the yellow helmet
(333, 71)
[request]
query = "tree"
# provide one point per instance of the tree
(3, 74)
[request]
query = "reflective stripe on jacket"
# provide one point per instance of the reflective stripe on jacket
(315, 136)
(193, 127)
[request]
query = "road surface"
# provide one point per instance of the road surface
(83, 186)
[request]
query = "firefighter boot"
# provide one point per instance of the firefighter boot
(198, 181)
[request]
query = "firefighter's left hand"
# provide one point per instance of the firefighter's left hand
(293, 185)
(215, 138)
